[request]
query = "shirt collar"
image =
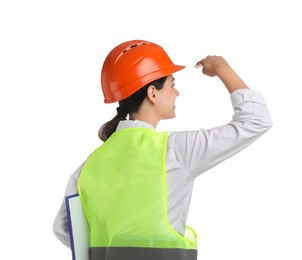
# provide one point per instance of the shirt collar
(133, 124)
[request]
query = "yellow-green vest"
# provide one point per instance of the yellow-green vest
(123, 191)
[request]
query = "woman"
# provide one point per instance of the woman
(136, 188)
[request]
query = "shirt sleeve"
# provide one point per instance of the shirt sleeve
(198, 151)
(60, 225)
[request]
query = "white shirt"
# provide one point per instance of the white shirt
(190, 153)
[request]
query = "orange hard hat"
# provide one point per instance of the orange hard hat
(131, 65)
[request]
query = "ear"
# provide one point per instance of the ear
(151, 93)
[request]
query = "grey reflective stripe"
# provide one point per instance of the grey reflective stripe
(139, 253)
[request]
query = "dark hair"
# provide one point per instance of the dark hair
(126, 106)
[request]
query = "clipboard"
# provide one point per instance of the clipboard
(78, 228)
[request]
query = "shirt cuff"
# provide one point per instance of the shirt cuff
(246, 95)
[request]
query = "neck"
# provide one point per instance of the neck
(148, 119)
(147, 113)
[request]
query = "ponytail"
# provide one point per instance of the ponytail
(109, 128)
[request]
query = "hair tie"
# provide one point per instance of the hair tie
(121, 112)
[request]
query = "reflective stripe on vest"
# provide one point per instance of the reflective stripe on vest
(122, 187)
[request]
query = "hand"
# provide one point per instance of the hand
(217, 66)
(212, 65)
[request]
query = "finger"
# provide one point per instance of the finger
(199, 64)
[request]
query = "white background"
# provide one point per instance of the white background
(51, 106)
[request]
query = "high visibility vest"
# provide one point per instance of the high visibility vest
(123, 191)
